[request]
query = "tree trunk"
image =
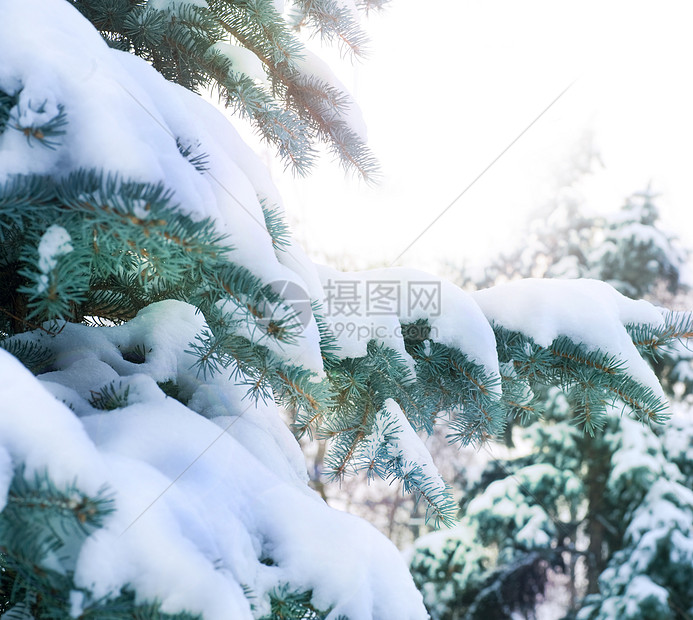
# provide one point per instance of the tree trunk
(598, 464)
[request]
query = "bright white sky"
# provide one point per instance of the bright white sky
(443, 92)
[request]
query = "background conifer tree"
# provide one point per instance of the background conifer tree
(602, 509)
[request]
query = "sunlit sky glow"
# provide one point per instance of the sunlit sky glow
(444, 91)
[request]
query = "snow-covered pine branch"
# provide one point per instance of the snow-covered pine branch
(127, 200)
(252, 54)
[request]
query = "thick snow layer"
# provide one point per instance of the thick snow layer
(667, 504)
(639, 455)
(372, 305)
(201, 499)
(586, 311)
(242, 60)
(124, 118)
(407, 445)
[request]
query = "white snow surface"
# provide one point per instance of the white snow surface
(124, 117)
(408, 445)
(586, 311)
(200, 499)
(506, 498)
(242, 60)
(358, 316)
(55, 242)
(640, 589)
(640, 454)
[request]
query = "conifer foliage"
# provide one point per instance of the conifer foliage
(603, 508)
(155, 312)
(251, 56)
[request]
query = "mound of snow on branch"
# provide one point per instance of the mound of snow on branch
(210, 489)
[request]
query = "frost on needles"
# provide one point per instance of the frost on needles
(149, 340)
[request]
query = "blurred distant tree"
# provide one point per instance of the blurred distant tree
(613, 512)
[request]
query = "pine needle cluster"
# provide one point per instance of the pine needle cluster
(291, 108)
